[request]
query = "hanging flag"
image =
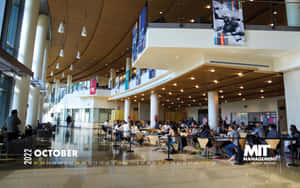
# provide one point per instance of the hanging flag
(127, 79)
(142, 29)
(151, 73)
(134, 43)
(93, 87)
(228, 23)
(138, 76)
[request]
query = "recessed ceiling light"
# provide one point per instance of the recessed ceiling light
(244, 99)
(192, 78)
(216, 81)
(197, 86)
(172, 103)
(270, 81)
(134, 100)
(240, 94)
(142, 99)
(178, 99)
(271, 24)
(208, 6)
(170, 93)
(181, 90)
(262, 97)
(159, 96)
(175, 84)
(168, 100)
(203, 94)
(262, 90)
(161, 12)
(206, 99)
(241, 87)
(240, 74)
(163, 89)
(275, 12)
(251, 0)
(182, 102)
(163, 104)
(221, 91)
(194, 100)
(192, 20)
(190, 97)
(212, 70)
(135, 96)
(222, 97)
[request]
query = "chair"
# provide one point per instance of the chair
(273, 143)
(203, 144)
(153, 140)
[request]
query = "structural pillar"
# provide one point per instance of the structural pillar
(57, 86)
(213, 109)
(38, 54)
(69, 83)
(20, 98)
(112, 76)
(44, 73)
(127, 110)
(292, 99)
(154, 109)
(293, 12)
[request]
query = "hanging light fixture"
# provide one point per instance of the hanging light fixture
(84, 32)
(61, 53)
(63, 75)
(61, 28)
(78, 55)
(57, 66)
(51, 74)
(71, 67)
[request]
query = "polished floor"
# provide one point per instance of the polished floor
(107, 165)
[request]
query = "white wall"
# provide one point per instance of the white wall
(292, 97)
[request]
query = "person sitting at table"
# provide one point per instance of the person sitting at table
(242, 128)
(157, 124)
(147, 124)
(165, 128)
(272, 132)
(234, 135)
(205, 132)
(125, 129)
(172, 135)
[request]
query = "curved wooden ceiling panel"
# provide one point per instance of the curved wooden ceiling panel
(109, 24)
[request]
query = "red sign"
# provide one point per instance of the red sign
(93, 87)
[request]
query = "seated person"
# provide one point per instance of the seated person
(242, 128)
(272, 132)
(165, 128)
(295, 144)
(234, 135)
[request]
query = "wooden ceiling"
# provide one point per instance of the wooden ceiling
(233, 84)
(109, 24)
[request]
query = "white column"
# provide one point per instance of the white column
(213, 109)
(44, 74)
(127, 110)
(292, 99)
(30, 17)
(112, 75)
(154, 109)
(38, 54)
(57, 86)
(293, 12)
(69, 83)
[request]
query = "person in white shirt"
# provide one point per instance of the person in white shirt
(165, 128)
(125, 129)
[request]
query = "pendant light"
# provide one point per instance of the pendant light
(78, 55)
(61, 28)
(84, 32)
(61, 53)
(51, 74)
(57, 66)
(71, 67)
(63, 75)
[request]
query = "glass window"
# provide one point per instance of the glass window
(2, 10)
(6, 89)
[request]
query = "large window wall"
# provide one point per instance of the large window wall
(11, 24)
(6, 91)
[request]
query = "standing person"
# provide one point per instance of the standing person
(295, 144)
(12, 123)
(69, 121)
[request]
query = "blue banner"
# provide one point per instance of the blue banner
(138, 76)
(142, 30)
(151, 73)
(134, 43)
(127, 80)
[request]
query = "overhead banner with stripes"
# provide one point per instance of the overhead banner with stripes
(228, 23)
(142, 29)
